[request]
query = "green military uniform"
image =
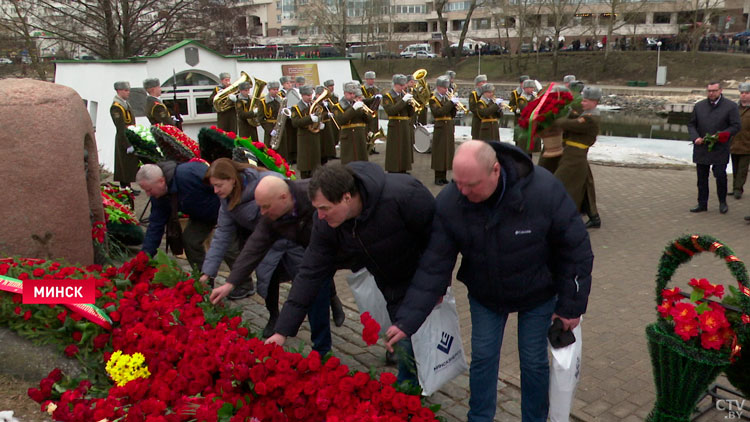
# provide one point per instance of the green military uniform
(740, 150)
(443, 140)
(353, 134)
(334, 101)
(328, 136)
(245, 116)
(225, 120)
(371, 91)
(489, 113)
(476, 121)
(290, 135)
(157, 112)
(308, 143)
(270, 106)
(126, 165)
(398, 151)
(579, 134)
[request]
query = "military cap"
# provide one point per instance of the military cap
(523, 78)
(529, 83)
(284, 79)
(409, 77)
(328, 83)
(244, 85)
(560, 88)
(480, 78)
(150, 83)
(577, 86)
(273, 85)
(399, 79)
(224, 75)
(744, 87)
(351, 87)
(451, 74)
(592, 93)
(443, 81)
(319, 89)
(486, 88)
(299, 79)
(122, 85)
(306, 90)
(569, 78)
(369, 74)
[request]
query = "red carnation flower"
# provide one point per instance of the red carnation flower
(71, 350)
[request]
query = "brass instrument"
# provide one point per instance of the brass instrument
(373, 112)
(255, 96)
(421, 92)
(459, 105)
(222, 101)
(318, 109)
(284, 113)
(372, 137)
(365, 93)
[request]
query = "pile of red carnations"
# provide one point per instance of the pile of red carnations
(545, 109)
(203, 362)
(174, 143)
(271, 159)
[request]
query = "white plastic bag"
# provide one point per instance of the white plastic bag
(565, 371)
(369, 298)
(438, 350)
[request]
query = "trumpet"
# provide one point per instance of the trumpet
(459, 105)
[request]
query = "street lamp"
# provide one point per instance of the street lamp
(661, 74)
(658, 53)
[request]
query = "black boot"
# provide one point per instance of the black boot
(594, 222)
(337, 311)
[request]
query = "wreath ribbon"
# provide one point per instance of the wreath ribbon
(532, 122)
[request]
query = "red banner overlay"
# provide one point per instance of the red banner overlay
(58, 291)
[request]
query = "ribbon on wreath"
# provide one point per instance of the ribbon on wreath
(532, 122)
(91, 312)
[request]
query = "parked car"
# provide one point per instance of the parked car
(5, 60)
(383, 55)
(425, 55)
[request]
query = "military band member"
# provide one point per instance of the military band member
(517, 100)
(443, 141)
(398, 149)
(369, 90)
(452, 77)
(270, 105)
(421, 118)
(353, 119)
(225, 120)
(490, 111)
(579, 134)
(126, 165)
(156, 111)
(299, 82)
(476, 121)
(308, 142)
(568, 79)
(327, 140)
(329, 84)
(245, 116)
(519, 135)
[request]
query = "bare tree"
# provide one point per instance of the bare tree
(560, 15)
(17, 20)
(621, 13)
(330, 16)
(442, 23)
(701, 13)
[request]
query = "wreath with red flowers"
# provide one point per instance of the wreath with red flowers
(174, 143)
(270, 159)
(215, 144)
(540, 113)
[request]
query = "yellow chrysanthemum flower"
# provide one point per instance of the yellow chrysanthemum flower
(123, 368)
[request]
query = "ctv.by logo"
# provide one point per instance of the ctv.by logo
(446, 342)
(734, 408)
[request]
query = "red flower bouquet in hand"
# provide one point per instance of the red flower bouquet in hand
(372, 328)
(720, 137)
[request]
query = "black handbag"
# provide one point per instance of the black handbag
(174, 229)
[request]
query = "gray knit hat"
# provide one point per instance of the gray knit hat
(328, 83)
(122, 85)
(150, 83)
(273, 85)
(306, 90)
(284, 79)
(319, 89)
(369, 74)
(480, 78)
(523, 78)
(559, 88)
(529, 83)
(744, 87)
(592, 93)
(451, 74)
(299, 79)
(399, 79)
(577, 86)
(351, 87)
(443, 81)
(224, 75)
(569, 78)
(244, 85)
(409, 77)
(486, 88)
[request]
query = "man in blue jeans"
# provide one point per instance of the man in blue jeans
(524, 249)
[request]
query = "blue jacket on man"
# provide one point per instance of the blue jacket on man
(195, 198)
(517, 253)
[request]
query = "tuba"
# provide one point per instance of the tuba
(421, 91)
(255, 96)
(318, 109)
(222, 101)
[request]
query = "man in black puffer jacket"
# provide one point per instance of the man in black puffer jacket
(380, 221)
(524, 249)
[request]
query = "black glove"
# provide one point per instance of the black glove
(559, 338)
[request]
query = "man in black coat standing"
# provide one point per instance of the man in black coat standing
(710, 116)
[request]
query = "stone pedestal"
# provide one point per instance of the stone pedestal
(49, 172)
